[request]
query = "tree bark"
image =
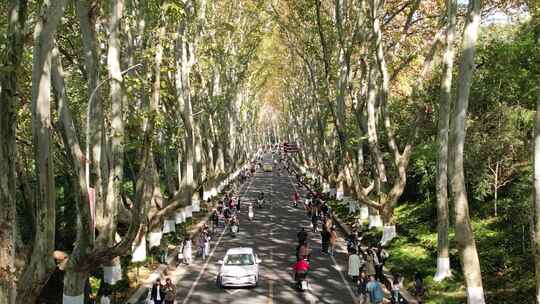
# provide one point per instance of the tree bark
(116, 171)
(536, 221)
(9, 103)
(464, 233)
(38, 270)
(443, 259)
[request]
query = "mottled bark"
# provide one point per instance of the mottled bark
(38, 270)
(9, 103)
(443, 259)
(464, 234)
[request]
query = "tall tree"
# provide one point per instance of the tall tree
(464, 233)
(41, 264)
(443, 259)
(9, 103)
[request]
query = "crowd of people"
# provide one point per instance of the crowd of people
(365, 261)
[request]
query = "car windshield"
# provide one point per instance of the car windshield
(239, 259)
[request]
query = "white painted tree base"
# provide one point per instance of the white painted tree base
(139, 251)
(352, 207)
(375, 221)
(206, 195)
(73, 299)
(112, 274)
(180, 216)
(189, 212)
(340, 195)
(389, 233)
(169, 225)
(326, 188)
(154, 239)
(443, 269)
(475, 295)
(364, 213)
(196, 205)
(213, 192)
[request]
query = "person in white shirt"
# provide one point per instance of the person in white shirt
(354, 265)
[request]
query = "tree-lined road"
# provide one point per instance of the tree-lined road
(273, 236)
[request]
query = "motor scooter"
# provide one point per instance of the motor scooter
(302, 283)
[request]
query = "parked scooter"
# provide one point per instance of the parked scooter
(260, 203)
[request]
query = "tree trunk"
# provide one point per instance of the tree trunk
(9, 103)
(464, 233)
(443, 259)
(41, 265)
(536, 234)
(116, 159)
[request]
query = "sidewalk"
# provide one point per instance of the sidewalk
(163, 269)
(346, 229)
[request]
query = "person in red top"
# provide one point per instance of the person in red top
(300, 269)
(296, 196)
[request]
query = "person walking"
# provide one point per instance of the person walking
(170, 291)
(362, 287)
(370, 264)
(419, 288)
(186, 250)
(157, 294)
(333, 240)
(396, 286)
(314, 221)
(375, 291)
(325, 235)
(354, 266)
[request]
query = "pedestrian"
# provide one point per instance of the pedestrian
(302, 235)
(370, 263)
(200, 244)
(215, 220)
(333, 240)
(314, 221)
(352, 244)
(396, 286)
(362, 286)
(375, 291)
(354, 266)
(157, 294)
(325, 235)
(170, 291)
(419, 288)
(186, 250)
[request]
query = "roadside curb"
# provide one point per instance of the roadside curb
(163, 268)
(158, 273)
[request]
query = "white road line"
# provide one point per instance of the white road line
(196, 282)
(336, 266)
(343, 278)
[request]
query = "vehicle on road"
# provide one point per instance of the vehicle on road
(267, 167)
(239, 268)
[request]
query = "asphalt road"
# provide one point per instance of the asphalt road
(272, 234)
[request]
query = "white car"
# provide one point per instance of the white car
(239, 268)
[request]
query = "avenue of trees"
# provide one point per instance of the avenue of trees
(137, 105)
(144, 102)
(429, 101)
